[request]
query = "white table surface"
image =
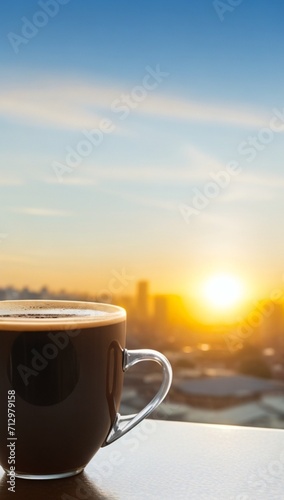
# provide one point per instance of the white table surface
(174, 461)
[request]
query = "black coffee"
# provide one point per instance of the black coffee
(67, 382)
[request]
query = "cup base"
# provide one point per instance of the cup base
(44, 477)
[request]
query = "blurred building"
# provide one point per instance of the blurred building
(161, 312)
(272, 328)
(142, 301)
(224, 392)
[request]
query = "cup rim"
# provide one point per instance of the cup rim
(109, 314)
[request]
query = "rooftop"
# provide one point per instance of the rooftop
(228, 386)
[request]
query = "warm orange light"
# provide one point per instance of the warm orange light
(203, 347)
(187, 349)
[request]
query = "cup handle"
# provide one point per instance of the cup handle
(131, 357)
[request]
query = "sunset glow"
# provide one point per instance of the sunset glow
(223, 291)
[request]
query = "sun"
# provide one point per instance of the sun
(222, 291)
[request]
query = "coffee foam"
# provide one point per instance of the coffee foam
(53, 315)
(50, 313)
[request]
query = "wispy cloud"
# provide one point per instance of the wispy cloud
(147, 174)
(197, 165)
(75, 181)
(42, 111)
(10, 181)
(257, 185)
(201, 163)
(40, 212)
(203, 112)
(253, 187)
(58, 103)
(141, 200)
(118, 175)
(96, 175)
(247, 193)
(262, 179)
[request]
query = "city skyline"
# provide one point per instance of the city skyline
(142, 140)
(144, 304)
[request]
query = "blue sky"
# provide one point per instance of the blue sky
(219, 84)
